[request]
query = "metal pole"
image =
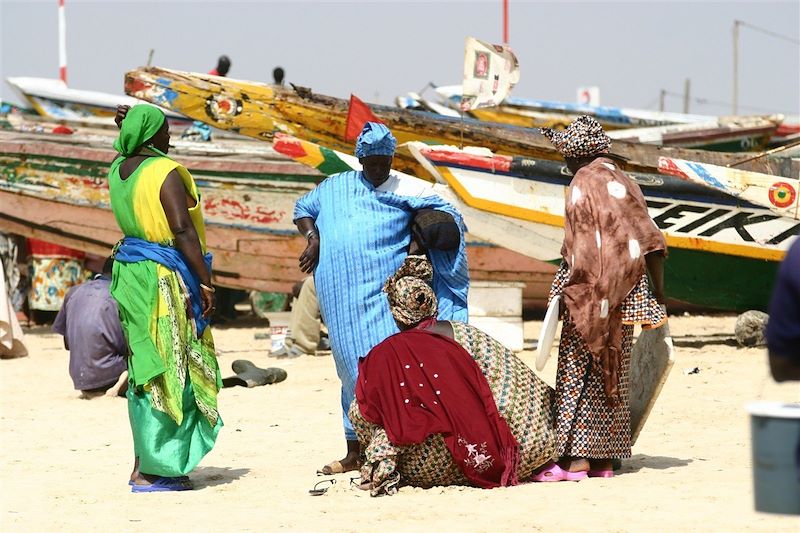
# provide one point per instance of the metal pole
(505, 21)
(62, 42)
(150, 56)
(661, 100)
(736, 24)
(686, 85)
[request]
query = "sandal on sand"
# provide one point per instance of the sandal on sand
(319, 491)
(553, 472)
(335, 467)
(163, 484)
(254, 376)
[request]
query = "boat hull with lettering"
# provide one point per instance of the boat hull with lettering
(723, 252)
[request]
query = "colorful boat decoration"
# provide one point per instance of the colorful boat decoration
(52, 98)
(54, 187)
(779, 195)
(258, 110)
(723, 252)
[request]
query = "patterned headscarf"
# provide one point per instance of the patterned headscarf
(375, 139)
(583, 138)
(411, 298)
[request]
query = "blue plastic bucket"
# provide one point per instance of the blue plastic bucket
(775, 431)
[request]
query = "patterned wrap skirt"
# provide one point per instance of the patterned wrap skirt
(522, 398)
(585, 425)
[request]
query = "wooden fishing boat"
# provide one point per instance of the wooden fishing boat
(724, 134)
(741, 134)
(723, 251)
(719, 253)
(258, 110)
(777, 194)
(610, 117)
(52, 98)
(54, 188)
(705, 132)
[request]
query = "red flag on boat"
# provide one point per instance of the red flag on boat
(358, 114)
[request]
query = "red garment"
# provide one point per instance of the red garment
(214, 72)
(39, 248)
(358, 114)
(418, 383)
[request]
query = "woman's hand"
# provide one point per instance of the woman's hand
(310, 256)
(122, 112)
(208, 297)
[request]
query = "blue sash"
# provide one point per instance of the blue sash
(133, 250)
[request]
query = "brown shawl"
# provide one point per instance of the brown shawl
(607, 234)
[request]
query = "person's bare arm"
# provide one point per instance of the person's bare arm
(173, 199)
(655, 269)
(310, 256)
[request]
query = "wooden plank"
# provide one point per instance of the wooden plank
(651, 361)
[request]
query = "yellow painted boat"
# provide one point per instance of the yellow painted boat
(258, 110)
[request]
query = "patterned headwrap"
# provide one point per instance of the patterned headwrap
(583, 138)
(411, 298)
(375, 139)
(140, 124)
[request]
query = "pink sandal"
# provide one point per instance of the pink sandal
(601, 473)
(552, 472)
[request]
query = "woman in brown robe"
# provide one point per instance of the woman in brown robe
(610, 242)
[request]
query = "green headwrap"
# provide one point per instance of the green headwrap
(140, 124)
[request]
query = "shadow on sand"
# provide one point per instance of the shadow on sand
(211, 476)
(656, 462)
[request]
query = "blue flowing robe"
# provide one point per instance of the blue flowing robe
(364, 237)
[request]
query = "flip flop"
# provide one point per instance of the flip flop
(254, 376)
(601, 473)
(163, 484)
(334, 467)
(183, 479)
(556, 473)
(319, 491)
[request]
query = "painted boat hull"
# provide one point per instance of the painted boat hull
(779, 195)
(723, 253)
(51, 98)
(717, 135)
(56, 190)
(258, 110)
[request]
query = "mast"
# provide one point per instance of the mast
(62, 43)
(505, 21)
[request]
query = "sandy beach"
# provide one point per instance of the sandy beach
(65, 461)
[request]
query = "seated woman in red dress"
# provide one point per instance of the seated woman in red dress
(442, 403)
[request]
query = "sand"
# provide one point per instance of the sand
(65, 461)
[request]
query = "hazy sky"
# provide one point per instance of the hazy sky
(380, 49)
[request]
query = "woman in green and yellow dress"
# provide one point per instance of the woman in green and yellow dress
(162, 283)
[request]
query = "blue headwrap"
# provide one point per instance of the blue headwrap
(375, 139)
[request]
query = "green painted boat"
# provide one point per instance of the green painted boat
(54, 188)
